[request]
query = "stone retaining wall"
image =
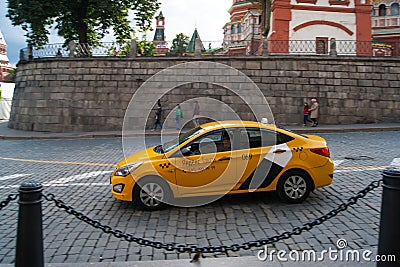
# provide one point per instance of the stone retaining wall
(70, 95)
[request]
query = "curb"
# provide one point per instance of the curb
(315, 130)
(344, 130)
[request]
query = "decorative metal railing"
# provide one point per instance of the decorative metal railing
(326, 47)
(104, 49)
(333, 48)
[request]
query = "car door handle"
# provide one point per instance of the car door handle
(222, 159)
(279, 151)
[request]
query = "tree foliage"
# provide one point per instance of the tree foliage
(145, 48)
(179, 45)
(84, 20)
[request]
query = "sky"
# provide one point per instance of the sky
(181, 16)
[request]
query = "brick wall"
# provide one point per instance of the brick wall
(67, 95)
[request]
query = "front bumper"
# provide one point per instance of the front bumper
(127, 191)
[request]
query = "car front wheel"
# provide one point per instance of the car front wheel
(151, 194)
(294, 187)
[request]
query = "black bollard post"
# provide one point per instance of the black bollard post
(29, 250)
(389, 230)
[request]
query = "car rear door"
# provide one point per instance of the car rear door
(263, 157)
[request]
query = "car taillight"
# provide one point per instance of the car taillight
(321, 151)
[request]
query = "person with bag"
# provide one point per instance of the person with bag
(314, 112)
(157, 117)
(196, 113)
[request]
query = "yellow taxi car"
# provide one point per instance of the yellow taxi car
(227, 157)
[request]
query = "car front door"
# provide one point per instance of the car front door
(206, 165)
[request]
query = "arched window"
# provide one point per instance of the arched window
(232, 29)
(382, 10)
(239, 28)
(394, 9)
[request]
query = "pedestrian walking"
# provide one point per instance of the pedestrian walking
(314, 112)
(157, 116)
(306, 114)
(178, 116)
(196, 113)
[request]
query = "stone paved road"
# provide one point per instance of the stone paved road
(77, 171)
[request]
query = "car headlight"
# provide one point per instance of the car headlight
(126, 170)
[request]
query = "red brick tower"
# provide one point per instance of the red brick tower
(159, 36)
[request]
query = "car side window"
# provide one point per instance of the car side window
(217, 141)
(254, 137)
(283, 138)
(269, 138)
(202, 145)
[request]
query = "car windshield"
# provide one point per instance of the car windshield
(168, 146)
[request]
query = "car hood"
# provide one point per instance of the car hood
(141, 156)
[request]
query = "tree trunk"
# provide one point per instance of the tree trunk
(82, 27)
(266, 16)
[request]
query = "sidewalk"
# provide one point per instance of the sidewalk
(212, 262)
(7, 133)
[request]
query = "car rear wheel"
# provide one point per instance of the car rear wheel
(294, 187)
(151, 194)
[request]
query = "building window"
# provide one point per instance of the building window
(321, 45)
(339, 2)
(307, 1)
(382, 10)
(232, 29)
(394, 9)
(239, 28)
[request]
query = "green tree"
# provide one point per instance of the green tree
(179, 45)
(145, 48)
(84, 20)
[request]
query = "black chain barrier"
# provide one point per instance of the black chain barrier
(212, 249)
(10, 198)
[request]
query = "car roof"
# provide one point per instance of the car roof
(236, 124)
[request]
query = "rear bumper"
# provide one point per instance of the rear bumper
(323, 175)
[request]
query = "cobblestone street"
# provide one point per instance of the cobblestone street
(77, 171)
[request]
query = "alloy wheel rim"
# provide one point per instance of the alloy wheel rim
(152, 194)
(295, 187)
